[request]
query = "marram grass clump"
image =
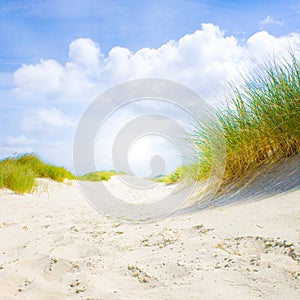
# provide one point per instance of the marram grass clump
(260, 124)
(19, 173)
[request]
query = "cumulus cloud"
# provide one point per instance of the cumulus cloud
(44, 78)
(85, 53)
(264, 46)
(45, 120)
(51, 81)
(204, 60)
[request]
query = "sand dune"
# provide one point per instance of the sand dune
(54, 245)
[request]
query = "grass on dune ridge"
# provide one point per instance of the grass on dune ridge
(260, 123)
(19, 173)
(99, 175)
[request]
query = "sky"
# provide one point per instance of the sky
(56, 57)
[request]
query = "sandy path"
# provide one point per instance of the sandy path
(53, 245)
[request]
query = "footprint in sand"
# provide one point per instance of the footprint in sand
(56, 268)
(161, 239)
(251, 245)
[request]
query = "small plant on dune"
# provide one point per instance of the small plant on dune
(19, 173)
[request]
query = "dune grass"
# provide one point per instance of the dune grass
(19, 173)
(260, 123)
(171, 178)
(16, 177)
(190, 173)
(98, 176)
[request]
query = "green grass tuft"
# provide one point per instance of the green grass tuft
(190, 173)
(19, 173)
(16, 177)
(172, 178)
(98, 176)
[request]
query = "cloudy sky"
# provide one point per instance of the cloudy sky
(57, 56)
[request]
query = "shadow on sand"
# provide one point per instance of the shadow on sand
(271, 181)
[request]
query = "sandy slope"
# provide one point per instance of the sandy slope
(53, 245)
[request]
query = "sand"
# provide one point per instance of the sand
(54, 245)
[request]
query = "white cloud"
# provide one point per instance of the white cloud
(263, 46)
(204, 60)
(270, 20)
(85, 53)
(50, 81)
(20, 140)
(44, 78)
(45, 120)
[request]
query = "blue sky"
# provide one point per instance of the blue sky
(30, 30)
(57, 56)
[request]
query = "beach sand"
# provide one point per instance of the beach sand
(54, 245)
